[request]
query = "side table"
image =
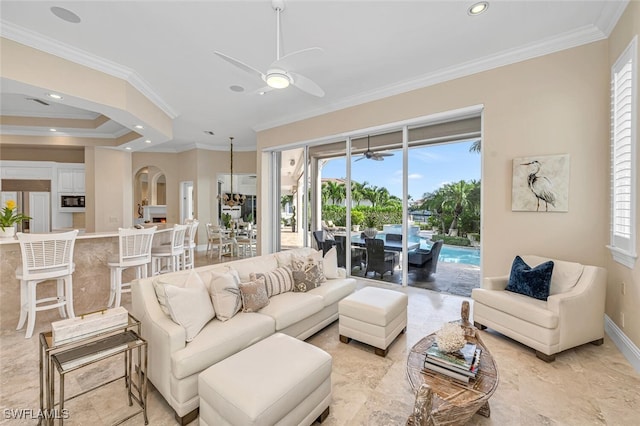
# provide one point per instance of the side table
(68, 357)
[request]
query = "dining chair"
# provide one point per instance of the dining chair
(218, 239)
(247, 242)
(134, 251)
(378, 260)
(45, 257)
(172, 253)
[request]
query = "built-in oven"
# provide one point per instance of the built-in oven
(72, 201)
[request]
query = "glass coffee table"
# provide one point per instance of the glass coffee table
(454, 402)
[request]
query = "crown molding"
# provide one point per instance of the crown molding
(580, 36)
(611, 13)
(38, 41)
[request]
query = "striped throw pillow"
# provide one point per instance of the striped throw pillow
(279, 280)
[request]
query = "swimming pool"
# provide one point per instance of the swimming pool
(452, 254)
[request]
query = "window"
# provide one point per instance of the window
(623, 156)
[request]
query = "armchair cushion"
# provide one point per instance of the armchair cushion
(565, 274)
(533, 282)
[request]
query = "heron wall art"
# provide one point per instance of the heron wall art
(541, 184)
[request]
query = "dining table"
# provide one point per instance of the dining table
(392, 245)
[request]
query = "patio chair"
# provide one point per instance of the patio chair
(425, 261)
(322, 242)
(378, 260)
(357, 253)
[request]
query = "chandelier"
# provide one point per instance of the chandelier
(231, 199)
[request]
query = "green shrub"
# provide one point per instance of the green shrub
(454, 241)
(357, 217)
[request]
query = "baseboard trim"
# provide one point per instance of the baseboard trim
(622, 342)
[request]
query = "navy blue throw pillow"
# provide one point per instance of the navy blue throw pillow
(530, 282)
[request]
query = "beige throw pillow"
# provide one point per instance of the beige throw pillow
(225, 294)
(308, 272)
(189, 307)
(330, 264)
(254, 295)
(280, 280)
(190, 280)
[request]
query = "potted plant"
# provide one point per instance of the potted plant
(370, 229)
(357, 217)
(8, 218)
(226, 220)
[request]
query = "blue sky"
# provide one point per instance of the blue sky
(429, 168)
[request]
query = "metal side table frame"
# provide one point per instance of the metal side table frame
(78, 354)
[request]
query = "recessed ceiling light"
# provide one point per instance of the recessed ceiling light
(54, 96)
(52, 130)
(65, 14)
(147, 141)
(236, 88)
(128, 148)
(139, 126)
(478, 8)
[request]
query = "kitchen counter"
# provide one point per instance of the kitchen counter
(91, 279)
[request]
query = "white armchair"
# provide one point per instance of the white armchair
(571, 316)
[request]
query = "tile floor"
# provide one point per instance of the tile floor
(586, 385)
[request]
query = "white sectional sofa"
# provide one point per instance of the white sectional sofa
(174, 363)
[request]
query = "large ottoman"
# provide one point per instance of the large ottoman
(279, 380)
(375, 316)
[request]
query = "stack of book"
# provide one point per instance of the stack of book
(461, 365)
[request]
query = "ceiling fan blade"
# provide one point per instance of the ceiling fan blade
(240, 65)
(377, 157)
(306, 85)
(361, 158)
(299, 59)
(384, 154)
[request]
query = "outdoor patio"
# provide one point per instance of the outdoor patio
(451, 278)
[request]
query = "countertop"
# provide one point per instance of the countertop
(82, 235)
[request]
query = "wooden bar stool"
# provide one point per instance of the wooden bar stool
(134, 251)
(45, 257)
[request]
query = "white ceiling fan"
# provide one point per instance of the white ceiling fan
(281, 72)
(373, 155)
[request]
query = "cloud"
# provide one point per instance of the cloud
(426, 156)
(414, 176)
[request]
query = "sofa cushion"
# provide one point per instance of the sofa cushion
(262, 264)
(565, 274)
(218, 340)
(308, 271)
(279, 280)
(284, 258)
(225, 293)
(254, 295)
(332, 291)
(533, 282)
(524, 307)
(289, 308)
(190, 307)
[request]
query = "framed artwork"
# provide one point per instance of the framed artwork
(540, 184)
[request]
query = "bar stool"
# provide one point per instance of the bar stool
(190, 243)
(45, 257)
(173, 253)
(134, 251)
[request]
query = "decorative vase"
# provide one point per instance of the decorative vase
(370, 232)
(9, 232)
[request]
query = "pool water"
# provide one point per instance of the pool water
(451, 254)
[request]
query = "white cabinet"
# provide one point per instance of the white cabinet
(71, 181)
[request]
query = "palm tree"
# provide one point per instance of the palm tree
(457, 196)
(435, 202)
(357, 191)
(476, 146)
(337, 192)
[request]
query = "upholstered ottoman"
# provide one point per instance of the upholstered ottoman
(279, 380)
(374, 316)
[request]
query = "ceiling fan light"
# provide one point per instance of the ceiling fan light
(278, 80)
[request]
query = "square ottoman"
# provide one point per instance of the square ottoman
(375, 316)
(279, 380)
